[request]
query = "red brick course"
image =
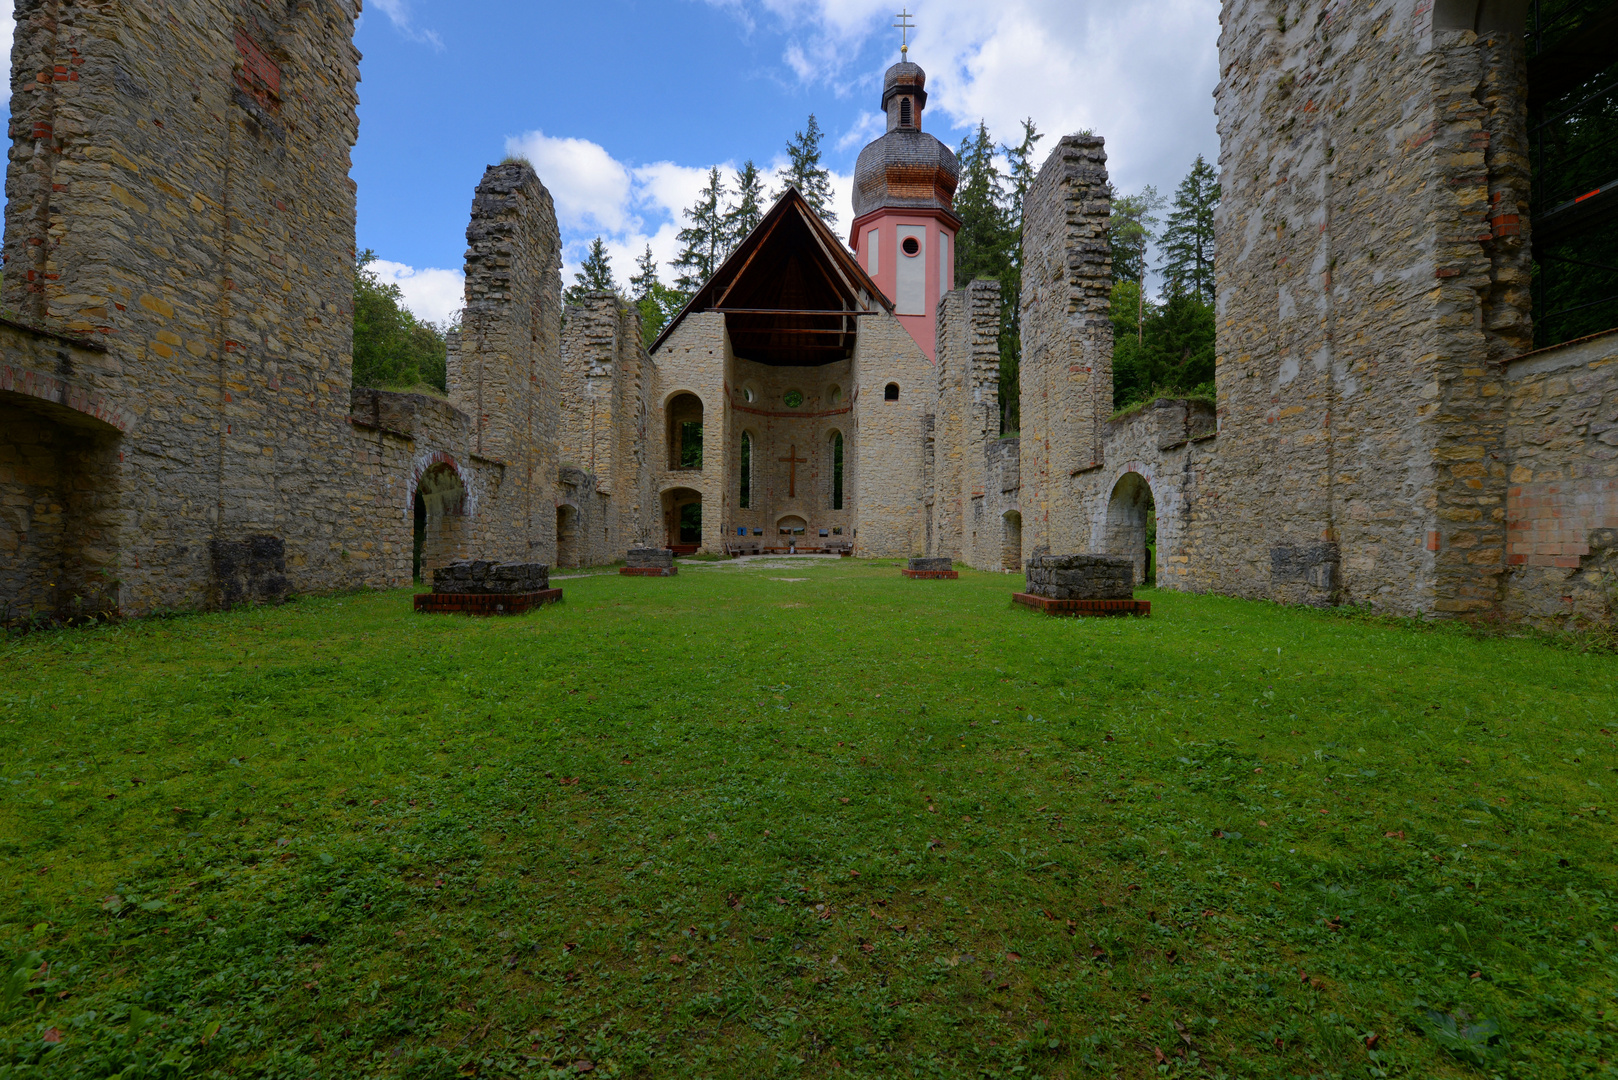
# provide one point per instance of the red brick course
(1083, 607)
(649, 571)
(929, 574)
(1549, 524)
(485, 603)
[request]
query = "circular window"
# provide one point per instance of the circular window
(911, 246)
(793, 399)
(747, 393)
(835, 394)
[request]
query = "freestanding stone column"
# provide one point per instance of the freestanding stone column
(1066, 371)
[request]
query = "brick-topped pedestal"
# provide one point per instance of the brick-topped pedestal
(649, 562)
(1083, 607)
(1081, 577)
(1082, 585)
(480, 587)
(485, 603)
(930, 567)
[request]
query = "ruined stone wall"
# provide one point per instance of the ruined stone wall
(1562, 502)
(602, 429)
(891, 517)
(1066, 372)
(506, 372)
(177, 189)
(966, 422)
(1163, 449)
(1371, 263)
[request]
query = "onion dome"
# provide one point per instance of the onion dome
(906, 168)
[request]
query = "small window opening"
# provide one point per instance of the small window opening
(746, 499)
(904, 112)
(911, 246)
(691, 444)
(891, 392)
(837, 470)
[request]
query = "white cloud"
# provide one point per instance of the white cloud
(398, 13)
(869, 127)
(431, 294)
(592, 190)
(1140, 75)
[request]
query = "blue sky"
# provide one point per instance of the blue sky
(624, 104)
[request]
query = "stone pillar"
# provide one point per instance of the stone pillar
(507, 371)
(1066, 371)
(968, 420)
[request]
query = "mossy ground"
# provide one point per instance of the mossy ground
(804, 819)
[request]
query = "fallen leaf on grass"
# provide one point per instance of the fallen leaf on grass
(52, 1035)
(1158, 1054)
(676, 959)
(1399, 835)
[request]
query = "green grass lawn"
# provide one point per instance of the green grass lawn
(805, 820)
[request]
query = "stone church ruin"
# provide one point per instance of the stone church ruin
(1399, 423)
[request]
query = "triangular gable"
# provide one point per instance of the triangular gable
(790, 291)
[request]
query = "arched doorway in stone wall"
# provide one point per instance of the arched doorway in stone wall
(682, 519)
(439, 513)
(567, 535)
(1011, 540)
(1132, 525)
(60, 513)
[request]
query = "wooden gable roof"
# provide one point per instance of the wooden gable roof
(791, 293)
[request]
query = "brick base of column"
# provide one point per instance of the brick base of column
(485, 603)
(1083, 607)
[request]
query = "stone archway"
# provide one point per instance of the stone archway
(567, 535)
(682, 519)
(1011, 540)
(439, 508)
(1131, 515)
(60, 510)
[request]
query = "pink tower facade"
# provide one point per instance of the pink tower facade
(904, 197)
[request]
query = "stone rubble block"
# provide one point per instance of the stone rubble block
(650, 559)
(482, 577)
(1081, 577)
(930, 564)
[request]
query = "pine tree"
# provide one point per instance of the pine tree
(656, 302)
(1134, 219)
(805, 173)
(644, 280)
(983, 244)
(743, 216)
(1188, 242)
(703, 241)
(595, 275)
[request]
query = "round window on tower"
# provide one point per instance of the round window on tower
(911, 246)
(793, 399)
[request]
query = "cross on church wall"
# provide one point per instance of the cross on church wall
(795, 460)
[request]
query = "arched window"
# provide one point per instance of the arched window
(746, 499)
(685, 431)
(836, 451)
(891, 392)
(904, 112)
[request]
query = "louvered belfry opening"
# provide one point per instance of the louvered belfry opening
(791, 293)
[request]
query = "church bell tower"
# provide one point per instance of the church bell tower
(904, 198)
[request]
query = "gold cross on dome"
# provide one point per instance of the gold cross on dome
(905, 26)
